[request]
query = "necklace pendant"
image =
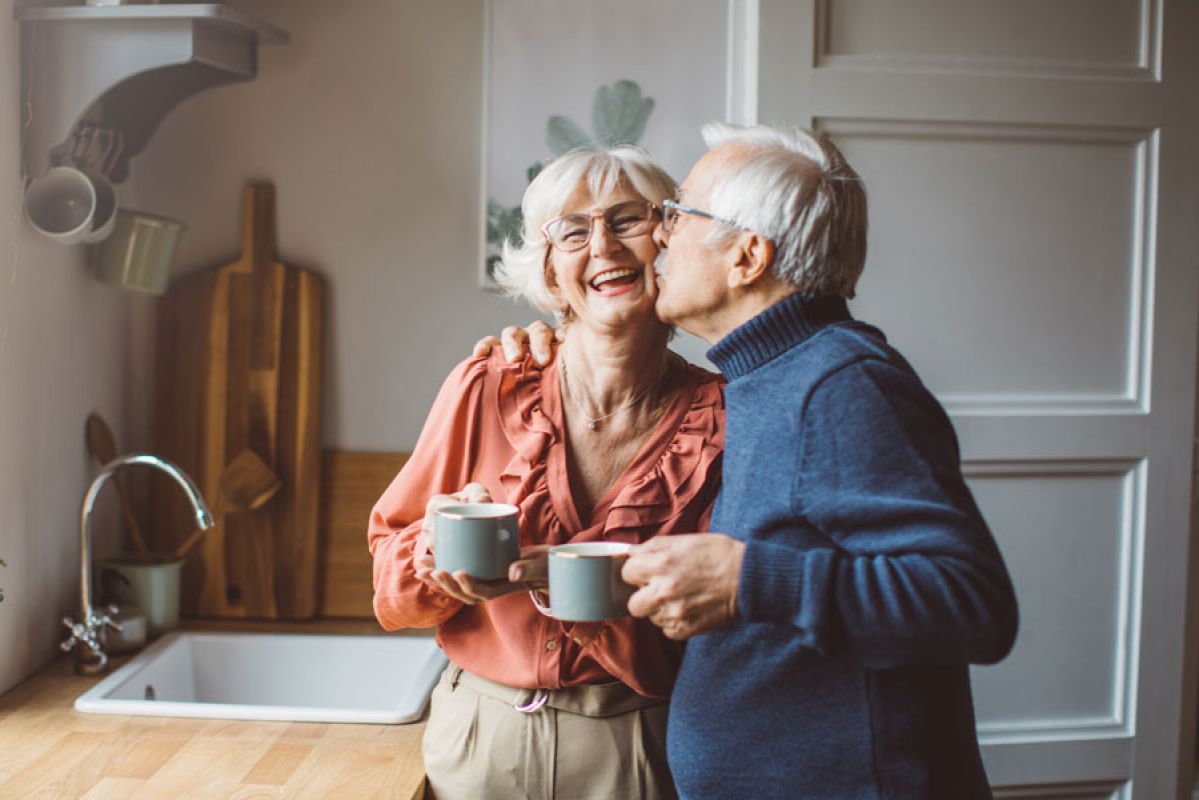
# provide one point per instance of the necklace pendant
(592, 424)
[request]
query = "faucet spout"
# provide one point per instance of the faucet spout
(85, 635)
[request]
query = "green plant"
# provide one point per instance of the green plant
(619, 114)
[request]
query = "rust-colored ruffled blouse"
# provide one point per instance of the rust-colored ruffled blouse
(502, 425)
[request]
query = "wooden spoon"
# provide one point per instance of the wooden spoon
(246, 484)
(103, 447)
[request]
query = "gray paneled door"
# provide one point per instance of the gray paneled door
(1033, 177)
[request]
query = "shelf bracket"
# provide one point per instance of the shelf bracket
(120, 70)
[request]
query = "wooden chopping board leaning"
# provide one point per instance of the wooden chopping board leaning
(238, 365)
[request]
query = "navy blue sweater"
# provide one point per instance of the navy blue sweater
(870, 580)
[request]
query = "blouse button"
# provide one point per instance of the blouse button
(551, 644)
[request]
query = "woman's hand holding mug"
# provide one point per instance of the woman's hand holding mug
(526, 571)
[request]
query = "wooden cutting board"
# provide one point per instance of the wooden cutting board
(238, 364)
(352, 482)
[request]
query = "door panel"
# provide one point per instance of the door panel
(1060, 36)
(988, 246)
(1032, 177)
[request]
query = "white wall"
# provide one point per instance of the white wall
(368, 123)
(64, 342)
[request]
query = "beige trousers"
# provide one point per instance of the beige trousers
(585, 743)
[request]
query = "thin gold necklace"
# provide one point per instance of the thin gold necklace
(593, 422)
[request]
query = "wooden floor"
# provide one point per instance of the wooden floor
(49, 750)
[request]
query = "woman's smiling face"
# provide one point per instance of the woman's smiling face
(609, 281)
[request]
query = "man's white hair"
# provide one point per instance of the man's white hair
(796, 189)
(521, 271)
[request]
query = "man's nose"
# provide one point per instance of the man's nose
(661, 237)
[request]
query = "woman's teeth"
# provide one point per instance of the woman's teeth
(613, 275)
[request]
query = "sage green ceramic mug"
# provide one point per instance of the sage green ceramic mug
(152, 586)
(585, 582)
(480, 539)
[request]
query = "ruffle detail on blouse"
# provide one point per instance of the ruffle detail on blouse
(529, 430)
(660, 494)
(682, 470)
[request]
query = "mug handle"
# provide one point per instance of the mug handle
(542, 607)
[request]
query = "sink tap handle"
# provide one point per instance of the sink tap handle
(80, 634)
(77, 633)
(107, 619)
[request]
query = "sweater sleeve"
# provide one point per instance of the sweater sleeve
(443, 461)
(902, 568)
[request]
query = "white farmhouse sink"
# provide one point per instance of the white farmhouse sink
(274, 676)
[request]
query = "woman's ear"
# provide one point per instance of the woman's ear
(551, 281)
(754, 256)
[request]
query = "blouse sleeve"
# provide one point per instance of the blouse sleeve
(443, 462)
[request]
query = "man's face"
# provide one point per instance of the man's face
(692, 283)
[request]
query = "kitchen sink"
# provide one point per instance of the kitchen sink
(274, 676)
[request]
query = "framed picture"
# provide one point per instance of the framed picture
(560, 75)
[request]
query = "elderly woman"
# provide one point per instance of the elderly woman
(618, 440)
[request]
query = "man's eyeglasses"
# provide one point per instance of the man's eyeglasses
(623, 220)
(671, 211)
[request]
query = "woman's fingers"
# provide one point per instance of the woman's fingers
(470, 493)
(435, 502)
(423, 565)
(474, 493)
(445, 583)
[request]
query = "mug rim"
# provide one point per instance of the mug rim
(609, 549)
(150, 220)
(120, 563)
(37, 185)
(498, 511)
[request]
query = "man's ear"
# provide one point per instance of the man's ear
(753, 258)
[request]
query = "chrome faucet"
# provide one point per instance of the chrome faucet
(87, 635)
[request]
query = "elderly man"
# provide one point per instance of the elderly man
(849, 579)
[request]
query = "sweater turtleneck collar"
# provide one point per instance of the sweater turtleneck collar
(775, 331)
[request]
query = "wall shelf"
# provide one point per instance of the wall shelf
(120, 70)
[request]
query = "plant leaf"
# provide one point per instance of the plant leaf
(563, 134)
(503, 223)
(619, 113)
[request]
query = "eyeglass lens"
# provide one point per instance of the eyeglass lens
(669, 217)
(623, 220)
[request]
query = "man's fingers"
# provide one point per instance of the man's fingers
(484, 346)
(641, 566)
(644, 602)
(674, 629)
(541, 342)
(515, 341)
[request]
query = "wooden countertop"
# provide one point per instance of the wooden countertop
(47, 749)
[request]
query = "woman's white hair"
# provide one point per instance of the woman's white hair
(521, 270)
(796, 189)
